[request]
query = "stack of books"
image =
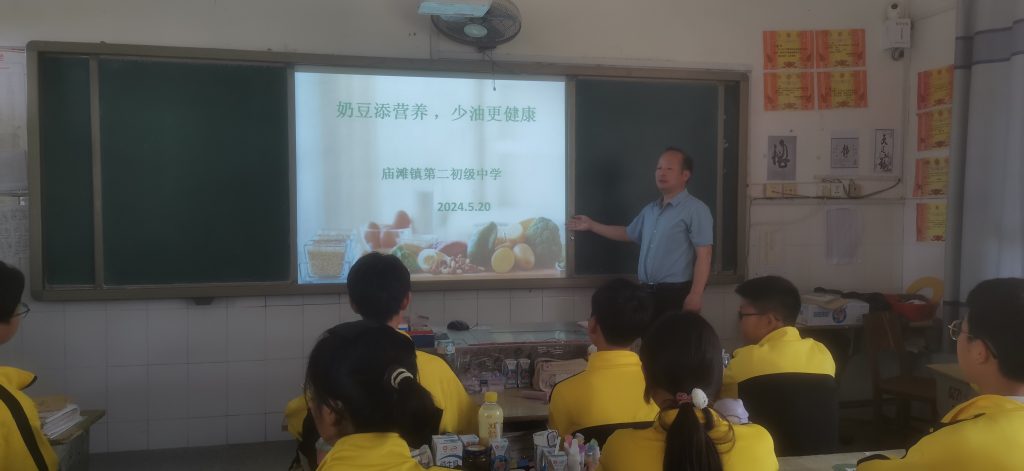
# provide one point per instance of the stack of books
(56, 415)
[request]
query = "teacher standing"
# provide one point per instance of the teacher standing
(675, 236)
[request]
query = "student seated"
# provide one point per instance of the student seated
(682, 364)
(986, 432)
(610, 390)
(22, 443)
(364, 398)
(787, 383)
(379, 291)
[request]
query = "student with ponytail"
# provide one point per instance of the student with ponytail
(365, 400)
(379, 290)
(682, 363)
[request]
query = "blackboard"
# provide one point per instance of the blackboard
(622, 126)
(168, 172)
(194, 160)
(65, 147)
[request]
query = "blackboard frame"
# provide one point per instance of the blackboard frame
(292, 59)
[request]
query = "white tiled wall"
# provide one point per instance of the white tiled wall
(171, 374)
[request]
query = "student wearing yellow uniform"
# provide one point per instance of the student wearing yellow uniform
(682, 363)
(365, 401)
(22, 443)
(986, 432)
(379, 290)
(611, 389)
(786, 383)
(769, 307)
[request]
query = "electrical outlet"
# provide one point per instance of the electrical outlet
(837, 190)
(790, 189)
(773, 190)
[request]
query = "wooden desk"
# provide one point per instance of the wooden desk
(72, 446)
(830, 462)
(845, 341)
(852, 327)
(519, 408)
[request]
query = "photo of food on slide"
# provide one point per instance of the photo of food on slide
(459, 177)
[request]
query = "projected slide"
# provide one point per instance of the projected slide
(461, 178)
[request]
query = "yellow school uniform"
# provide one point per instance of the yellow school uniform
(449, 394)
(609, 391)
(782, 351)
(986, 432)
(749, 449)
(14, 453)
(370, 452)
(435, 376)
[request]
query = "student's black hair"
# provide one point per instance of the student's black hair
(622, 309)
(997, 316)
(772, 293)
(687, 160)
(377, 286)
(680, 352)
(352, 370)
(12, 283)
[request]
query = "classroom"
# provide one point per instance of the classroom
(511, 235)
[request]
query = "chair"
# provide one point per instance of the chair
(883, 332)
(799, 410)
(602, 432)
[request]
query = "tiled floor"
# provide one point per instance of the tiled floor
(271, 456)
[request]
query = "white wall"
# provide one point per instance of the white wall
(172, 375)
(934, 39)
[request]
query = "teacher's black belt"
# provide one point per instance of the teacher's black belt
(652, 287)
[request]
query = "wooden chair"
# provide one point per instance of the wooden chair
(883, 332)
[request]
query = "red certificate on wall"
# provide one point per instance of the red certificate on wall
(931, 222)
(931, 177)
(788, 49)
(788, 91)
(846, 89)
(935, 88)
(839, 48)
(933, 129)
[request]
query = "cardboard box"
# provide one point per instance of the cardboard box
(951, 387)
(547, 373)
(849, 313)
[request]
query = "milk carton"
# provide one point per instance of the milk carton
(447, 451)
(499, 459)
(555, 461)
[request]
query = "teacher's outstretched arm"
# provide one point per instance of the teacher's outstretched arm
(583, 223)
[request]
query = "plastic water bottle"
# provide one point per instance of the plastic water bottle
(491, 418)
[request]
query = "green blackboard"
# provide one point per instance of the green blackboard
(622, 126)
(65, 146)
(193, 165)
(194, 168)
